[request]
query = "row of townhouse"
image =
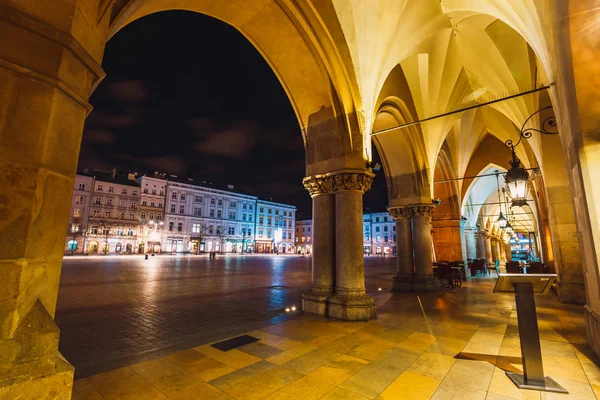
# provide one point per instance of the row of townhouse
(379, 232)
(126, 214)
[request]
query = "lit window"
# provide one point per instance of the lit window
(76, 212)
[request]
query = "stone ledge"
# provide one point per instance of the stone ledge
(351, 308)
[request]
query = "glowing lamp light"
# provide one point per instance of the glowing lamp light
(508, 227)
(517, 182)
(293, 308)
(380, 289)
(501, 221)
(287, 309)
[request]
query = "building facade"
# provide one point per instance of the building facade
(304, 236)
(152, 211)
(275, 223)
(379, 232)
(114, 215)
(203, 219)
(79, 214)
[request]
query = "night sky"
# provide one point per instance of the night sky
(188, 95)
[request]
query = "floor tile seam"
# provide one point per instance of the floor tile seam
(95, 388)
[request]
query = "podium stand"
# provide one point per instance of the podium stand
(524, 287)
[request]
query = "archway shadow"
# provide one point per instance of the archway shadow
(505, 363)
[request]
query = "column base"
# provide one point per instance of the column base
(315, 303)
(55, 384)
(428, 284)
(573, 293)
(402, 283)
(592, 324)
(351, 308)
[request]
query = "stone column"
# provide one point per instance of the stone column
(494, 248)
(423, 257)
(497, 243)
(480, 245)
(508, 251)
(471, 243)
(43, 105)
(502, 245)
(323, 246)
(350, 301)
(405, 267)
(488, 249)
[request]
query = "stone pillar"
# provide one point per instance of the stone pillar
(502, 245)
(471, 243)
(350, 301)
(323, 247)
(405, 266)
(480, 245)
(423, 256)
(488, 249)
(43, 105)
(508, 251)
(494, 246)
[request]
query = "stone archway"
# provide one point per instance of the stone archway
(43, 106)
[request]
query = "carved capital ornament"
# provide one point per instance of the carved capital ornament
(338, 182)
(400, 212)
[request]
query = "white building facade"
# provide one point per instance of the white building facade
(203, 219)
(114, 215)
(379, 231)
(304, 237)
(275, 227)
(152, 211)
(79, 214)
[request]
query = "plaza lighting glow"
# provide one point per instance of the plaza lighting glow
(380, 289)
(293, 308)
(287, 309)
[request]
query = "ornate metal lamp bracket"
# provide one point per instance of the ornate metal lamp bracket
(547, 127)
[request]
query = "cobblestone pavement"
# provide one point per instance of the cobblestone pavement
(116, 311)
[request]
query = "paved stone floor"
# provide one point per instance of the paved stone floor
(116, 311)
(456, 344)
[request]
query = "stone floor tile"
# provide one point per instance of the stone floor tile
(475, 374)
(558, 349)
(338, 370)
(410, 386)
(124, 383)
(346, 343)
(200, 391)
(371, 349)
(289, 332)
(418, 341)
(291, 354)
(375, 377)
(499, 328)
(324, 340)
(274, 340)
(310, 361)
(394, 335)
(490, 349)
(220, 396)
(234, 358)
(577, 391)
(198, 364)
(453, 391)
(341, 394)
(165, 376)
(487, 338)
(502, 385)
(460, 333)
(260, 350)
(448, 346)
(84, 390)
(562, 367)
(305, 388)
(435, 365)
(263, 384)
(240, 375)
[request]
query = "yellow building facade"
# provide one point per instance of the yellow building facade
(354, 70)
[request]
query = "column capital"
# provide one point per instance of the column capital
(400, 212)
(338, 181)
(423, 210)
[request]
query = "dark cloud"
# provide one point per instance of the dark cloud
(99, 119)
(130, 91)
(234, 144)
(100, 136)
